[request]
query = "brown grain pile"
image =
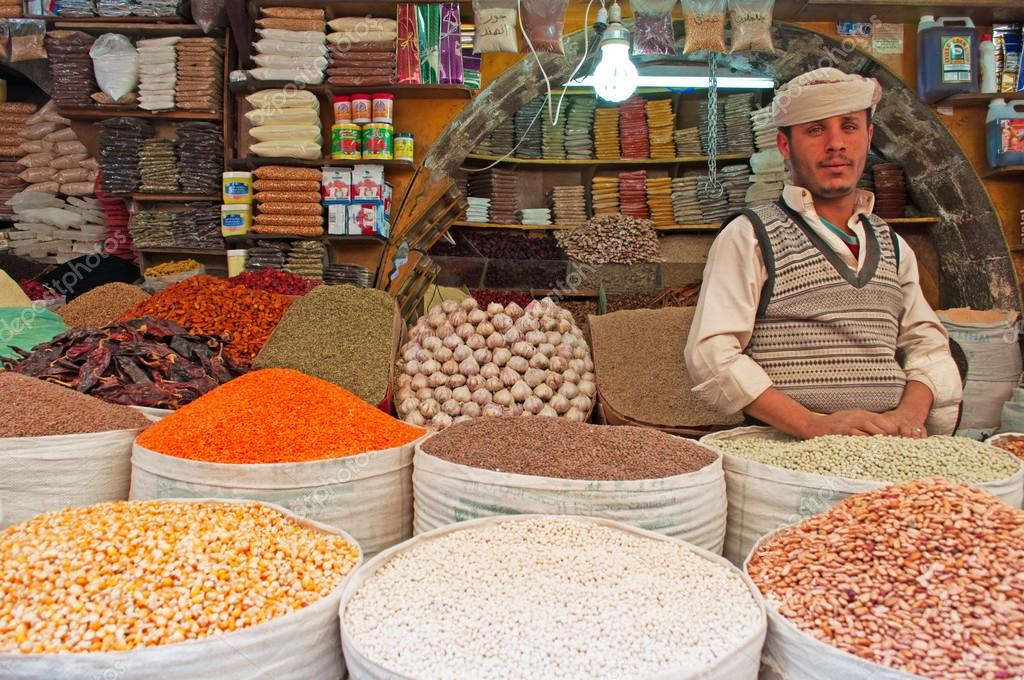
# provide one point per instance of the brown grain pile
(640, 368)
(35, 408)
(100, 306)
(554, 447)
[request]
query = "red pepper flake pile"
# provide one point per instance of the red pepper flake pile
(276, 416)
(485, 297)
(35, 290)
(275, 281)
(205, 305)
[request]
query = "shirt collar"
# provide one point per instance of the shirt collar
(802, 201)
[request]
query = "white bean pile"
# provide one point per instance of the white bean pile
(551, 598)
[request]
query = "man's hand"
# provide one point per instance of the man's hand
(909, 425)
(857, 423)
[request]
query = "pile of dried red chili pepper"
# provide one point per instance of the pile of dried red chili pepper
(143, 362)
(275, 281)
(242, 317)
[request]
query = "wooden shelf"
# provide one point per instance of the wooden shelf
(983, 12)
(540, 227)
(1017, 249)
(102, 114)
(253, 162)
(920, 221)
(355, 8)
(184, 250)
(978, 99)
(550, 162)
(326, 90)
(176, 19)
(246, 238)
(1009, 172)
(168, 198)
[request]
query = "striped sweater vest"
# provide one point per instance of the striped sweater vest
(825, 334)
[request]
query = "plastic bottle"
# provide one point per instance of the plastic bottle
(947, 57)
(1004, 133)
(987, 64)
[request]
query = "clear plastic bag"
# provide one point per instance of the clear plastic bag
(543, 22)
(115, 62)
(209, 14)
(27, 39)
(751, 25)
(5, 40)
(495, 28)
(705, 25)
(653, 32)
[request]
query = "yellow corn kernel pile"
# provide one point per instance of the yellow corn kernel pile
(171, 268)
(117, 576)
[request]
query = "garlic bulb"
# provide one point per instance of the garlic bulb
(553, 380)
(581, 403)
(576, 365)
(521, 391)
(403, 393)
(512, 336)
(416, 418)
(424, 355)
(538, 360)
(441, 421)
(501, 356)
(571, 376)
(465, 330)
(504, 398)
(452, 407)
(436, 319)
(475, 382)
(569, 390)
(524, 349)
(495, 340)
(535, 338)
(491, 410)
(437, 379)
(533, 405)
(493, 385)
(429, 408)
(502, 322)
(563, 326)
(450, 367)
(514, 411)
(419, 381)
(513, 310)
(471, 409)
(407, 406)
(495, 308)
(579, 352)
(458, 318)
(449, 306)
(564, 351)
(534, 377)
(575, 415)
(468, 304)
(476, 341)
(432, 344)
(482, 355)
(490, 371)
(569, 339)
(485, 328)
(508, 377)
(461, 353)
(544, 392)
(548, 412)
(477, 317)
(424, 394)
(457, 380)
(462, 394)
(588, 365)
(548, 323)
(404, 380)
(560, 404)
(527, 323)
(482, 397)
(461, 419)
(412, 367)
(443, 354)
(546, 348)
(430, 367)
(446, 330)
(558, 364)
(409, 353)
(469, 367)
(442, 393)
(452, 341)
(519, 364)
(587, 388)
(554, 337)
(588, 376)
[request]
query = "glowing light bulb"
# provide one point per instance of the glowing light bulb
(615, 76)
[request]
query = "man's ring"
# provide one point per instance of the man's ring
(917, 429)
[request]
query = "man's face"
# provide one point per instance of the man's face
(828, 156)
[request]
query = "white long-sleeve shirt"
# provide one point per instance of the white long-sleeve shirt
(728, 379)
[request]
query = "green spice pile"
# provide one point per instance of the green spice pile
(880, 458)
(555, 447)
(100, 306)
(36, 408)
(341, 334)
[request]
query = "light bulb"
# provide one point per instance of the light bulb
(615, 77)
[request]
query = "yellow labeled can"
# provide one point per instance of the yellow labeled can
(378, 142)
(345, 139)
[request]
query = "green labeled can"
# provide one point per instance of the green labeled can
(345, 142)
(404, 146)
(378, 142)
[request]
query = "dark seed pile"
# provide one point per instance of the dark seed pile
(554, 447)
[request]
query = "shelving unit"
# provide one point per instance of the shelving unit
(253, 162)
(1009, 172)
(978, 99)
(102, 113)
(597, 162)
(707, 227)
(168, 198)
(182, 250)
(326, 238)
(407, 91)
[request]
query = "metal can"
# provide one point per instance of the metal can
(383, 107)
(362, 108)
(345, 142)
(378, 142)
(342, 110)
(404, 146)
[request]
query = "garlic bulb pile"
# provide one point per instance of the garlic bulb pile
(462, 361)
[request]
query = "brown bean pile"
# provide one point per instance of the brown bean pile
(101, 305)
(1014, 445)
(612, 239)
(926, 577)
(554, 447)
(641, 372)
(35, 408)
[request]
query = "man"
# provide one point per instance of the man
(811, 317)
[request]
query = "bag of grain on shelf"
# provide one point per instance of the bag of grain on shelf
(773, 479)
(507, 466)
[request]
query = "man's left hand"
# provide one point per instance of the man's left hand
(909, 426)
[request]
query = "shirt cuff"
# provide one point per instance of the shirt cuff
(942, 377)
(734, 386)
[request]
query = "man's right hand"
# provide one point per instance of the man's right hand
(858, 423)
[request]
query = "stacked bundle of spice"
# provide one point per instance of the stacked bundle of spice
(568, 205)
(11, 8)
(529, 129)
(200, 152)
(157, 167)
(121, 141)
(55, 161)
(604, 194)
(115, 212)
(659, 200)
(685, 202)
(553, 134)
(306, 258)
(288, 201)
(660, 123)
(291, 46)
(197, 225)
(633, 194)
(687, 142)
(606, 134)
(579, 121)
(704, 122)
(71, 68)
(54, 230)
(736, 109)
(157, 73)
(151, 228)
(14, 116)
(200, 71)
(266, 255)
(767, 164)
(10, 185)
(633, 132)
(501, 187)
(362, 51)
(285, 123)
(207, 305)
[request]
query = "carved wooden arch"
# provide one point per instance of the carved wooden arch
(976, 267)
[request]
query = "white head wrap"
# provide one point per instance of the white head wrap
(823, 93)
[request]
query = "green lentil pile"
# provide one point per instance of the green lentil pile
(880, 458)
(341, 334)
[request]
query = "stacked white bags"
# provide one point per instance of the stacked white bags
(286, 123)
(158, 73)
(54, 230)
(291, 48)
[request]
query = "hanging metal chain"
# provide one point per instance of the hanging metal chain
(713, 187)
